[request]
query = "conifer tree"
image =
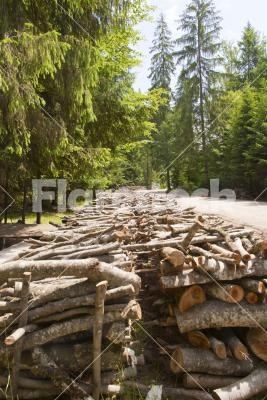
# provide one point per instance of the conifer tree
(161, 71)
(252, 52)
(162, 62)
(198, 54)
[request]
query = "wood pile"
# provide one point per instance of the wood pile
(76, 292)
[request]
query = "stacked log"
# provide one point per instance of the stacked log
(81, 300)
(202, 303)
(210, 295)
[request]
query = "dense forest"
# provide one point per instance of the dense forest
(68, 108)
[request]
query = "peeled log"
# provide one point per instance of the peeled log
(257, 341)
(175, 257)
(191, 296)
(193, 381)
(216, 314)
(253, 385)
(90, 268)
(226, 292)
(204, 361)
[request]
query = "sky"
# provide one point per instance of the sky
(235, 14)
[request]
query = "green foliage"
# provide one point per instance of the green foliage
(80, 108)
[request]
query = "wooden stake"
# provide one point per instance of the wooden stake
(23, 319)
(101, 289)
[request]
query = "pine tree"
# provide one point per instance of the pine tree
(198, 54)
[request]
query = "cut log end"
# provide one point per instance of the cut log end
(257, 341)
(175, 257)
(192, 296)
(198, 339)
(176, 362)
(252, 298)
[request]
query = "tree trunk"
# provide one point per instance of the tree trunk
(201, 101)
(253, 385)
(6, 198)
(168, 179)
(24, 201)
(216, 314)
(204, 361)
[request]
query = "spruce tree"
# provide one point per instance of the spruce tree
(252, 51)
(161, 71)
(198, 54)
(162, 62)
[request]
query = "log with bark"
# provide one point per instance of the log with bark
(193, 381)
(189, 359)
(181, 258)
(257, 341)
(90, 268)
(217, 314)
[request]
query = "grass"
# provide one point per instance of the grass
(45, 219)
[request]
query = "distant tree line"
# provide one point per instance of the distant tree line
(214, 124)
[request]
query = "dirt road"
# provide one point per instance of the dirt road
(239, 211)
